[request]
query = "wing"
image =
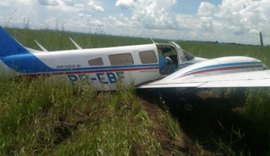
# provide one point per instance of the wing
(224, 80)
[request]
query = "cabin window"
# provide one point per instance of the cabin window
(96, 62)
(148, 57)
(121, 59)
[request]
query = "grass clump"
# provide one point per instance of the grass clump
(47, 116)
(123, 129)
(257, 111)
(25, 104)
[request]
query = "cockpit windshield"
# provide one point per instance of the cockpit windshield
(188, 56)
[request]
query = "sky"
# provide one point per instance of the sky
(237, 21)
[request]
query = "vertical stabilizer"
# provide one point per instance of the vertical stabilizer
(9, 46)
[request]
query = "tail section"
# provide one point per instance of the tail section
(9, 46)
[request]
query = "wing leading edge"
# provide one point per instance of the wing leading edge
(227, 80)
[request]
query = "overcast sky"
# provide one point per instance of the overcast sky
(237, 21)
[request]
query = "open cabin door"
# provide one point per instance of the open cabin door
(172, 57)
(168, 58)
(184, 58)
(180, 53)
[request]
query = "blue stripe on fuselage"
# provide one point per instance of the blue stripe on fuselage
(184, 65)
(30, 64)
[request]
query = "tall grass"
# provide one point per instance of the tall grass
(213, 50)
(257, 111)
(60, 40)
(47, 116)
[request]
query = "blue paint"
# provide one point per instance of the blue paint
(72, 78)
(17, 57)
(9, 46)
(112, 78)
(184, 65)
(102, 79)
(26, 63)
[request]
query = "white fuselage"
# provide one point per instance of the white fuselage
(128, 65)
(102, 67)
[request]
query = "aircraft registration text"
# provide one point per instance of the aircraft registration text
(103, 78)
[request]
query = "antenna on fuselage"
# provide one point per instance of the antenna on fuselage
(75, 44)
(40, 46)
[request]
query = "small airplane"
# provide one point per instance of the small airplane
(156, 65)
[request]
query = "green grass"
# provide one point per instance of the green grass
(212, 50)
(60, 40)
(257, 111)
(44, 116)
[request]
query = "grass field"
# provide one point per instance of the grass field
(212, 50)
(48, 117)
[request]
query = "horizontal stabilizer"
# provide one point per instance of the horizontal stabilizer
(76, 45)
(40, 46)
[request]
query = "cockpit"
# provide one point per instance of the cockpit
(171, 56)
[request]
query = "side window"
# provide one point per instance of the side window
(121, 59)
(148, 57)
(96, 62)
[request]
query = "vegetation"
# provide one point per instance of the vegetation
(257, 111)
(212, 50)
(47, 116)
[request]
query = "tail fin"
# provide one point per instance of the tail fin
(9, 46)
